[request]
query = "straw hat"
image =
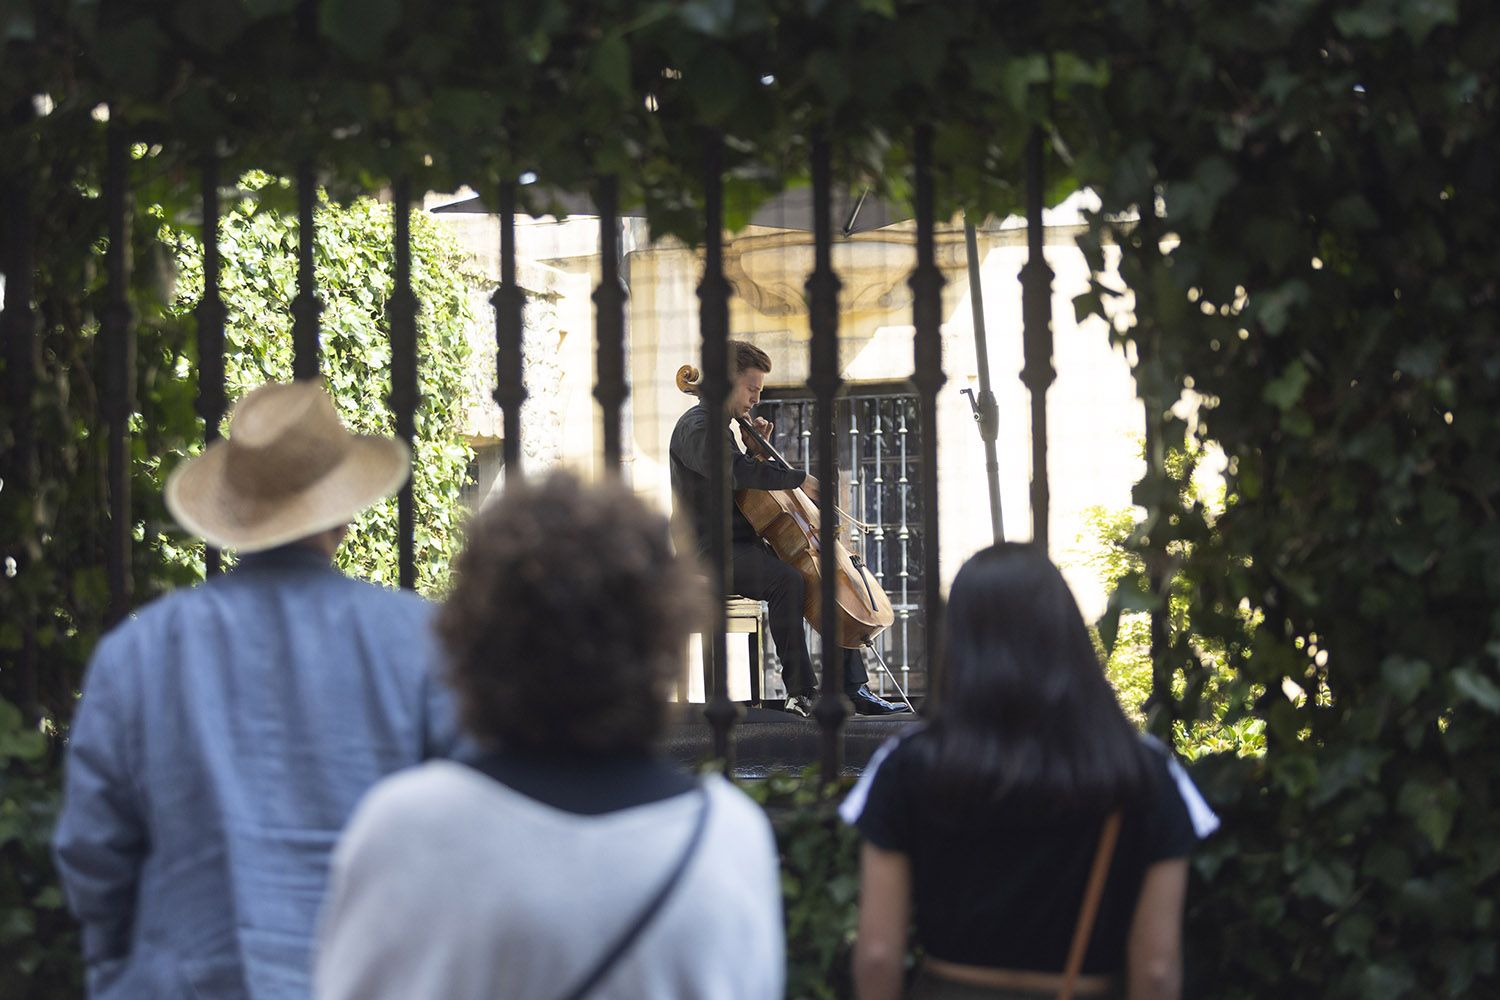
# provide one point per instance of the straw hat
(289, 468)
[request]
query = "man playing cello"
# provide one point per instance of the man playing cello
(756, 572)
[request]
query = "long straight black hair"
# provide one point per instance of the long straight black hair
(1026, 713)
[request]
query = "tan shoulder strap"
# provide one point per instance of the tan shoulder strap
(1090, 908)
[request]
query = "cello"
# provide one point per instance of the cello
(788, 521)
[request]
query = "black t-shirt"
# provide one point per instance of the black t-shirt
(997, 887)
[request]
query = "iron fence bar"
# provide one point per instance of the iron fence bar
(1036, 307)
(879, 436)
(18, 332)
(824, 380)
(927, 317)
(873, 538)
(903, 535)
(988, 412)
(713, 322)
(401, 312)
(609, 322)
(119, 367)
(1156, 580)
(856, 484)
(306, 308)
(805, 432)
(509, 301)
(210, 316)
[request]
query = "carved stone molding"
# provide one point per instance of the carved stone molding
(768, 272)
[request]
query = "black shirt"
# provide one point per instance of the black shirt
(688, 455)
(1002, 889)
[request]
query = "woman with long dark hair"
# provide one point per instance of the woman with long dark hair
(1028, 820)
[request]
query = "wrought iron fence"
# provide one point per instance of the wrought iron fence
(911, 555)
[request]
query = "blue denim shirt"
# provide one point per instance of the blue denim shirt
(225, 734)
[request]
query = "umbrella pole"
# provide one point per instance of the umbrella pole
(986, 410)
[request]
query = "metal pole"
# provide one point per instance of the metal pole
(510, 305)
(987, 411)
(823, 314)
(609, 323)
(1036, 308)
(927, 318)
(211, 398)
(405, 395)
(307, 309)
(18, 333)
(118, 338)
(713, 297)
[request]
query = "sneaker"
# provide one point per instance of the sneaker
(799, 705)
(867, 702)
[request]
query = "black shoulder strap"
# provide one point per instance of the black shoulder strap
(650, 910)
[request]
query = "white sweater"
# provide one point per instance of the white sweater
(447, 884)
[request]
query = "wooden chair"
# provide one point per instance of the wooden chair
(744, 623)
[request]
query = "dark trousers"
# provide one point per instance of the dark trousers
(758, 574)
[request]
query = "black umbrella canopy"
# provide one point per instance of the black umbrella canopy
(852, 213)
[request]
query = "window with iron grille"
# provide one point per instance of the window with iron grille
(879, 462)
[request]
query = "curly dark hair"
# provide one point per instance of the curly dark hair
(569, 618)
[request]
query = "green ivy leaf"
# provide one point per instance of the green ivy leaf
(1331, 881)
(611, 66)
(708, 17)
(1386, 980)
(1273, 308)
(1420, 17)
(213, 24)
(266, 8)
(17, 24)
(1192, 203)
(1373, 19)
(1019, 76)
(1353, 933)
(359, 27)
(1476, 687)
(1071, 69)
(1406, 678)
(1420, 359)
(1284, 391)
(1430, 804)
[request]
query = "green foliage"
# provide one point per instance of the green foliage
(1110, 545)
(487, 92)
(54, 597)
(819, 879)
(354, 271)
(1303, 200)
(1323, 279)
(36, 933)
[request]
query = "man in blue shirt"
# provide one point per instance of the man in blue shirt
(227, 731)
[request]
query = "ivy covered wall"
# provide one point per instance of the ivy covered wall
(1305, 200)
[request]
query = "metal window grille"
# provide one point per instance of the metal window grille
(880, 469)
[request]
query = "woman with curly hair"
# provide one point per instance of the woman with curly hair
(1036, 843)
(567, 858)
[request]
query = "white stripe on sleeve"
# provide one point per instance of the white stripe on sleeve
(1204, 819)
(854, 803)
